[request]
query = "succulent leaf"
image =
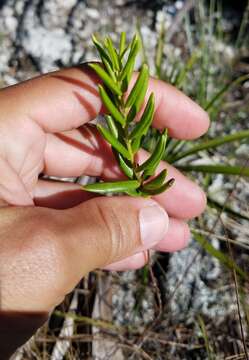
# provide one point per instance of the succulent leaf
(114, 111)
(110, 187)
(114, 142)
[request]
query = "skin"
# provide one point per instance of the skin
(46, 226)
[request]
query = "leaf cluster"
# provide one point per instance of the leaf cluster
(126, 122)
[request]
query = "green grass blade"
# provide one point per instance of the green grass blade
(159, 50)
(210, 144)
(216, 205)
(224, 89)
(108, 81)
(137, 94)
(111, 187)
(223, 258)
(216, 169)
(116, 114)
(141, 43)
(205, 337)
(182, 74)
(114, 142)
(143, 125)
(152, 162)
(112, 126)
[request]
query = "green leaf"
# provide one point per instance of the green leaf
(112, 126)
(111, 187)
(134, 193)
(110, 106)
(109, 69)
(211, 144)
(132, 114)
(143, 125)
(102, 52)
(114, 142)
(108, 81)
(135, 145)
(113, 53)
(137, 94)
(106, 60)
(126, 73)
(157, 181)
(153, 161)
(204, 332)
(223, 258)
(216, 169)
(127, 170)
(122, 43)
(159, 189)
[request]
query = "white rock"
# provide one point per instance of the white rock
(11, 23)
(92, 13)
(48, 46)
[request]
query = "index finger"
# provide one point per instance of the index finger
(68, 98)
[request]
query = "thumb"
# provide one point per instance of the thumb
(104, 230)
(51, 250)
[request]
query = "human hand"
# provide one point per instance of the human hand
(46, 249)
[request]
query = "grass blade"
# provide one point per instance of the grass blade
(159, 50)
(216, 169)
(223, 258)
(211, 144)
(219, 206)
(224, 89)
(205, 337)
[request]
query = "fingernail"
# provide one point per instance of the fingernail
(153, 225)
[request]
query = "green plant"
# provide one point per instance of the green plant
(122, 131)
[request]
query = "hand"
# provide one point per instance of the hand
(54, 233)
